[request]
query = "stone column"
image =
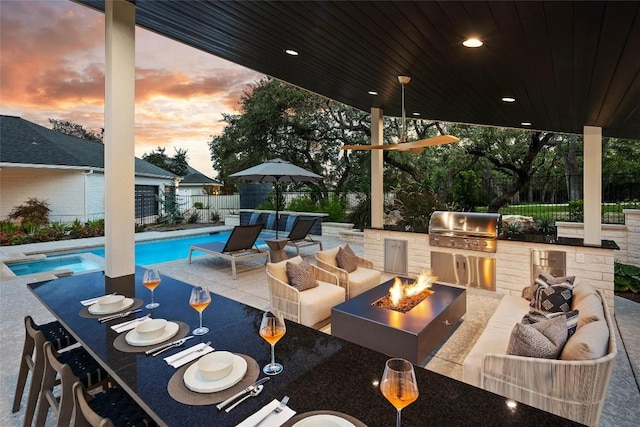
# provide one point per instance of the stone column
(592, 187)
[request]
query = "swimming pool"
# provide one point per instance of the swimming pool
(158, 251)
(74, 263)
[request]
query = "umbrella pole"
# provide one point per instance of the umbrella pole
(277, 207)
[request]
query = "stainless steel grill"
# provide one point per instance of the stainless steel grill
(465, 230)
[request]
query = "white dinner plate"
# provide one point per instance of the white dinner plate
(97, 309)
(323, 420)
(134, 339)
(195, 382)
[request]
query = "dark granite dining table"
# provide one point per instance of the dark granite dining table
(321, 372)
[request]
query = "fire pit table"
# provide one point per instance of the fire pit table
(411, 335)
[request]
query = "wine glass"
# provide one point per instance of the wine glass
(151, 280)
(199, 300)
(272, 328)
(399, 384)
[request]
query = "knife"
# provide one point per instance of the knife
(176, 343)
(118, 316)
(242, 392)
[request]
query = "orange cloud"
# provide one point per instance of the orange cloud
(52, 66)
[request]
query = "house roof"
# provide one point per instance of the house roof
(194, 177)
(567, 63)
(27, 143)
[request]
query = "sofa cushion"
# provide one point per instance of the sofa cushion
(279, 269)
(316, 303)
(363, 279)
(544, 339)
(590, 341)
(582, 290)
(535, 316)
(551, 293)
(590, 308)
(329, 256)
(494, 338)
(301, 276)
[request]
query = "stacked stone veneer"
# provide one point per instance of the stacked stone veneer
(513, 260)
(627, 236)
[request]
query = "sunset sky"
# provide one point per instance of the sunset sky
(52, 66)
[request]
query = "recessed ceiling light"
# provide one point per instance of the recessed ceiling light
(291, 52)
(525, 123)
(473, 42)
(508, 99)
(372, 92)
(415, 113)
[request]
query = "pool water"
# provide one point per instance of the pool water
(159, 251)
(74, 263)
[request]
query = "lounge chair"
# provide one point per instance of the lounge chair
(239, 246)
(299, 234)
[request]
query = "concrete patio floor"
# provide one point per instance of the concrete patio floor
(622, 405)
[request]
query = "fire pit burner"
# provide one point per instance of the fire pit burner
(405, 304)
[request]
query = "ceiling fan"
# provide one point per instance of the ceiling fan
(415, 147)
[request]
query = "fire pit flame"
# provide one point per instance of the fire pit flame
(400, 290)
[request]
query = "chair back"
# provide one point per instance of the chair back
(63, 404)
(84, 415)
(242, 237)
(301, 228)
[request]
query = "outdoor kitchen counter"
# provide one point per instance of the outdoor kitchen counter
(513, 258)
(564, 241)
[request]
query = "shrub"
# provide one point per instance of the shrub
(214, 217)
(302, 204)
(333, 207)
(192, 216)
(416, 203)
(545, 225)
(33, 211)
(576, 210)
(513, 228)
(627, 278)
(360, 215)
(198, 205)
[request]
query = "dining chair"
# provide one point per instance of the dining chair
(110, 408)
(70, 366)
(32, 360)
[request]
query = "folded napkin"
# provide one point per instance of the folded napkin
(131, 324)
(188, 355)
(92, 301)
(274, 420)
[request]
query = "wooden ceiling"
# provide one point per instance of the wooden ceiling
(567, 64)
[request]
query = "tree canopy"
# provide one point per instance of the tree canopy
(74, 129)
(280, 120)
(178, 164)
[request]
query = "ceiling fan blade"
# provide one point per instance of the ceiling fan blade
(407, 146)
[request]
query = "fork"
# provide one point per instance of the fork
(200, 350)
(277, 410)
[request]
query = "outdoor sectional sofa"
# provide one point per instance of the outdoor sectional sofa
(574, 389)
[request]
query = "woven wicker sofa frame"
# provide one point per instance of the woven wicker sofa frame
(574, 389)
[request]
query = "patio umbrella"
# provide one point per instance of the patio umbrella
(276, 171)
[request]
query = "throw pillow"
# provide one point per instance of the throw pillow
(301, 276)
(543, 339)
(536, 316)
(527, 293)
(347, 260)
(590, 341)
(551, 293)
